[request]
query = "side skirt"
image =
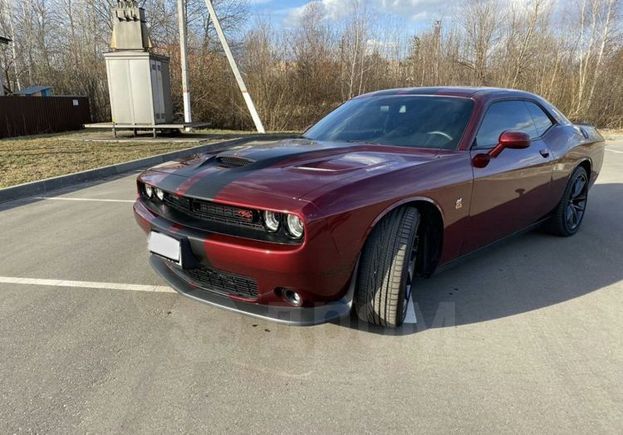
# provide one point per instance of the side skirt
(466, 257)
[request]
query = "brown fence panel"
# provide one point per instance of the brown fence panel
(21, 116)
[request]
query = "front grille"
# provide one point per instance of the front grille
(213, 212)
(213, 217)
(220, 282)
(177, 202)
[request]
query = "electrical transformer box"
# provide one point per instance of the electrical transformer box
(139, 88)
(138, 80)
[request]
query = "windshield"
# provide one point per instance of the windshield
(400, 120)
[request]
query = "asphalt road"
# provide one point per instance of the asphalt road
(524, 337)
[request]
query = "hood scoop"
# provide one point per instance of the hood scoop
(226, 161)
(346, 162)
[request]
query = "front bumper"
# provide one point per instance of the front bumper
(283, 314)
(259, 269)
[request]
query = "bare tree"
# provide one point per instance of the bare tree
(481, 26)
(574, 57)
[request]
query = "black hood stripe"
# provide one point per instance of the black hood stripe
(210, 178)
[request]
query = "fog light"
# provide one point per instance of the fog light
(149, 191)
(292, 297)
(159, 194)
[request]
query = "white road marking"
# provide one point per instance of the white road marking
(61, 198)
(614, 151)
(86, 284)
(410, 317)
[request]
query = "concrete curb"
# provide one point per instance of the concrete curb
(42, 187)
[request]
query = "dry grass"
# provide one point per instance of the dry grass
(612, 134)
(38, 157)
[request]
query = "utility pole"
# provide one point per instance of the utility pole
(232, 63)
(181, 17)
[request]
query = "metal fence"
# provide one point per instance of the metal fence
(21, 116)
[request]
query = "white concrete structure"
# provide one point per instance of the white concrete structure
(139, 87)
(138, 80)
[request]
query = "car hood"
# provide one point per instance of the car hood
(291, 168)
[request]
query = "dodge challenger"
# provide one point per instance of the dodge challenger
(380, 193)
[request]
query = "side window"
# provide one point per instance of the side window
(542, 122)
(502, 116)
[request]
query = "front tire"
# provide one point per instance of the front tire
(387, 269)
(569, 213)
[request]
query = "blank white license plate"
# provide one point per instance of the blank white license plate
(165, 246)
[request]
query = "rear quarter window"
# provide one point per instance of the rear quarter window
(542, 121)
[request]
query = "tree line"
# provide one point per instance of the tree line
(569, 52)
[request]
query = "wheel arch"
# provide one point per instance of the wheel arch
(587, 165)
(430, 233)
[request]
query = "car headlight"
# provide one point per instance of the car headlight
(149, 191)
(272, 221)
(159, 194)
(295, 226)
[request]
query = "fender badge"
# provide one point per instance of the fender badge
(459, 203)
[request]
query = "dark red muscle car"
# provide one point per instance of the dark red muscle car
(386, 188)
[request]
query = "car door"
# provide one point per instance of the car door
(548, 143)
(512, 190)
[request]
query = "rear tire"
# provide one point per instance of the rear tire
(387, 269)
(569, 213)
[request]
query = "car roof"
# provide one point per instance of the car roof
(456, 91)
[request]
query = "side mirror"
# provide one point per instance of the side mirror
(515, 140)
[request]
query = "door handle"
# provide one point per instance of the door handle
(544, 153)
